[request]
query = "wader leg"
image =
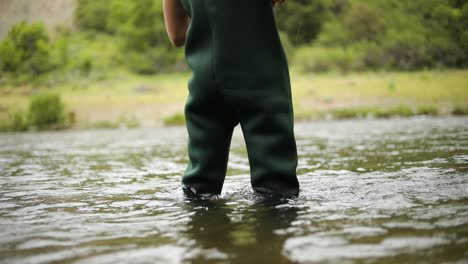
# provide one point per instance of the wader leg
(210, 127)
(268, 131)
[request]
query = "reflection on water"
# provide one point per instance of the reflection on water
(219, 231)
(382, 191)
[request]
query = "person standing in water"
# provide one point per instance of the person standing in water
(240, 75)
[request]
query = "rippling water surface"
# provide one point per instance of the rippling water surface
(372, 191)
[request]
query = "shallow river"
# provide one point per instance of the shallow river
(372, 191)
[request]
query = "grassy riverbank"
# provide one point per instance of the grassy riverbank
(134, 100)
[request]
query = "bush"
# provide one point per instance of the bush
(444, 53)
(26, 50)
(40, 61)
(334, 33)
(146, 28)
(364, 22)
(119, 15)
(139, 32)
(10, 58)
(146, 43)
(464, 47)
(406, 50)
(16, 121)
(60, 48)
(401, 35)
(108, 16)
(85, 65)
(460, 110)
(46, 111)
(373, 56)
(301, 20)
(92, 15)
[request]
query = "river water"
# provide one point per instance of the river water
(372, 191)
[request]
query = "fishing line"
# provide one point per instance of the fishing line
(298, 30)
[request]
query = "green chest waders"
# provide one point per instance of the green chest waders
(240, 75)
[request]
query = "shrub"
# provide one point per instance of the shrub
(145, 29)
(40, 61)
(406, 50)
(16, 121)
(10, 58)
(119, 15)
(92, 15)
(373, 55)
(365, 23)
(460, 110)
(443, 52)
(301, 20)
(60, 54)
(26, 50)
(85, 65)
(402, 35)
(463, 28)
(334, 33)
(46, 111)
(147, 46)
(464, 43)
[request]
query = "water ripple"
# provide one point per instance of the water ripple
(371, 191)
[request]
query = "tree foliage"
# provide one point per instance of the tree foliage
(139, 24)
(397, 34)
(92, 14)
(340, 35)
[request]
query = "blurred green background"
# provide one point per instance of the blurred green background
(109, 63)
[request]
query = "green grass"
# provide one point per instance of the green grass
(378, 112)
(372, 112)
(427, 110)
(400, 111)
(103, 124)
(159, 99)
(175, 120)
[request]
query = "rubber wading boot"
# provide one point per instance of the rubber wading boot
(239, 75)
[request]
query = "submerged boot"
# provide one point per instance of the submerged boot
(192, 194)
